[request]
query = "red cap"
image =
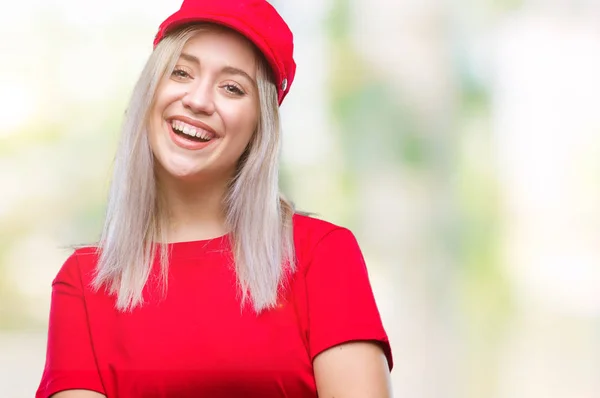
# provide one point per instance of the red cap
(257, 20)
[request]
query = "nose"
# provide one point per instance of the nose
(199, 99)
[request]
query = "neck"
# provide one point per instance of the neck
(193, 210)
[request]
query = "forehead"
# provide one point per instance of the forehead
(222, 47)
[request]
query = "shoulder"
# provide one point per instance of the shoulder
(312, 235)
(309, 230)
(78, 269)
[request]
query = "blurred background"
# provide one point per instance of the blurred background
(458, 139)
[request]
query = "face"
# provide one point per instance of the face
(206, 111)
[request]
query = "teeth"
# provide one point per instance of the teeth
(190, 130)
(202, 135)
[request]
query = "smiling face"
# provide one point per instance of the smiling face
(206, 111)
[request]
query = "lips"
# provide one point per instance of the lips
(193, 129)
(190, 134)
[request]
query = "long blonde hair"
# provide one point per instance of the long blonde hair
(258, 216)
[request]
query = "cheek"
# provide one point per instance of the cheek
(242, 126)
(153, 127)
(167, 94)
(165, 98)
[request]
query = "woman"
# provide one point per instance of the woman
(205, 282)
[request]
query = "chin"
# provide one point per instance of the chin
(168, 170)
(193, 170)
(187, 175)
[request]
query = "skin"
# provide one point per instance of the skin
(195, 181)
(78, 394)
(352, 370)
(214, 82)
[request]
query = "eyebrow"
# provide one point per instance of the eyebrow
(231, 70)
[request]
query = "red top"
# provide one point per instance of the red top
(197, 342)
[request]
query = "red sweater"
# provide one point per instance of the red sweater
(197, 341)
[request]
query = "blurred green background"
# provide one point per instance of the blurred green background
(457, 139)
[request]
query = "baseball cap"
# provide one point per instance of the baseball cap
(257, 20)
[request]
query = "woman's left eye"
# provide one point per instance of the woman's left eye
(233, 89)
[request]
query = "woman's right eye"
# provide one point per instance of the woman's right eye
(180, 73)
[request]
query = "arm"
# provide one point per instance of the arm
(70, 370)
(355, 369)
(78, 394)
(347, 341)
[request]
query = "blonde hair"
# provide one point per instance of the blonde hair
(258, 216)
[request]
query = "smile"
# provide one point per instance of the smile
(190, 136)
(191, 132)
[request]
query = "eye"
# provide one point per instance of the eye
(180, 74)
(233, 89)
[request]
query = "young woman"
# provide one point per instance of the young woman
(205, 282)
